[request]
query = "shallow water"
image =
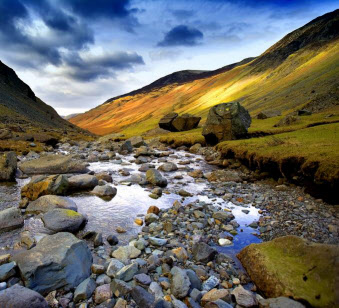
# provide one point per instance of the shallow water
(132, 201)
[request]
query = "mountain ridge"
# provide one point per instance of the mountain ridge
(299, 70)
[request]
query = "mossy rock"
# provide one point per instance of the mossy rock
(293, 267)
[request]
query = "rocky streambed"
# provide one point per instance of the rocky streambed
(153, 226)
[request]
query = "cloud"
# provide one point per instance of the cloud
(105, 65)
(182, 35)
(183, 14)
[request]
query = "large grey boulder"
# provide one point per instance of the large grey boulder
(21, 297)
(175, 123)
(62, 220)
(82, 182)
(59, 260)
(10, 219)
(53, 164)
(8, 165)
(226, 121)
(49, 202)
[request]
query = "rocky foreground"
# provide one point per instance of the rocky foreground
(176, 260)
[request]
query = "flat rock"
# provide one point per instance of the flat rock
(10, 219)
(20, 297)
(127, 272)
(59, 260)
(53, 164)
(124, 253)
(49, 202)
(62, 220)
(292, 267)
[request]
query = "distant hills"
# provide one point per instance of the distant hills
(20, 107)
(299, 71)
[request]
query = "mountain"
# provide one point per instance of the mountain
(70, 116)
(19, 106)
(299, 71)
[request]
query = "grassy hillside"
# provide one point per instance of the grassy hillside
(300, 71)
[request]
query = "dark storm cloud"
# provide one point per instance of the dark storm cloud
(100, 66)
(62, 29)
(182, 35)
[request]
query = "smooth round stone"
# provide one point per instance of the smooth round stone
(224, 242)
(61, 220)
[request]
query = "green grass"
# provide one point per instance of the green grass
(317, 145)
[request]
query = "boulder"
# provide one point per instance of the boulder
(53, 164)
(62, 220)
(175, 123)
(304, 112)
(10, 219)
(8, 165)
(226, 121)
(105, 191)
(59, 260)
(154, 177)
(136, 141)
(292, 267)
(185, 122)
(268, 114)
(18, 296)
(49, 202)
(42, 185)
(166, 121)
(82, 182)
(287, 121)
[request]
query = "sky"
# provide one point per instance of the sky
(76, 54)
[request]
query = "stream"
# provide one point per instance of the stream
(132, 200)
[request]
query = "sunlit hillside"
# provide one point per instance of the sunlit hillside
(300, 71)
